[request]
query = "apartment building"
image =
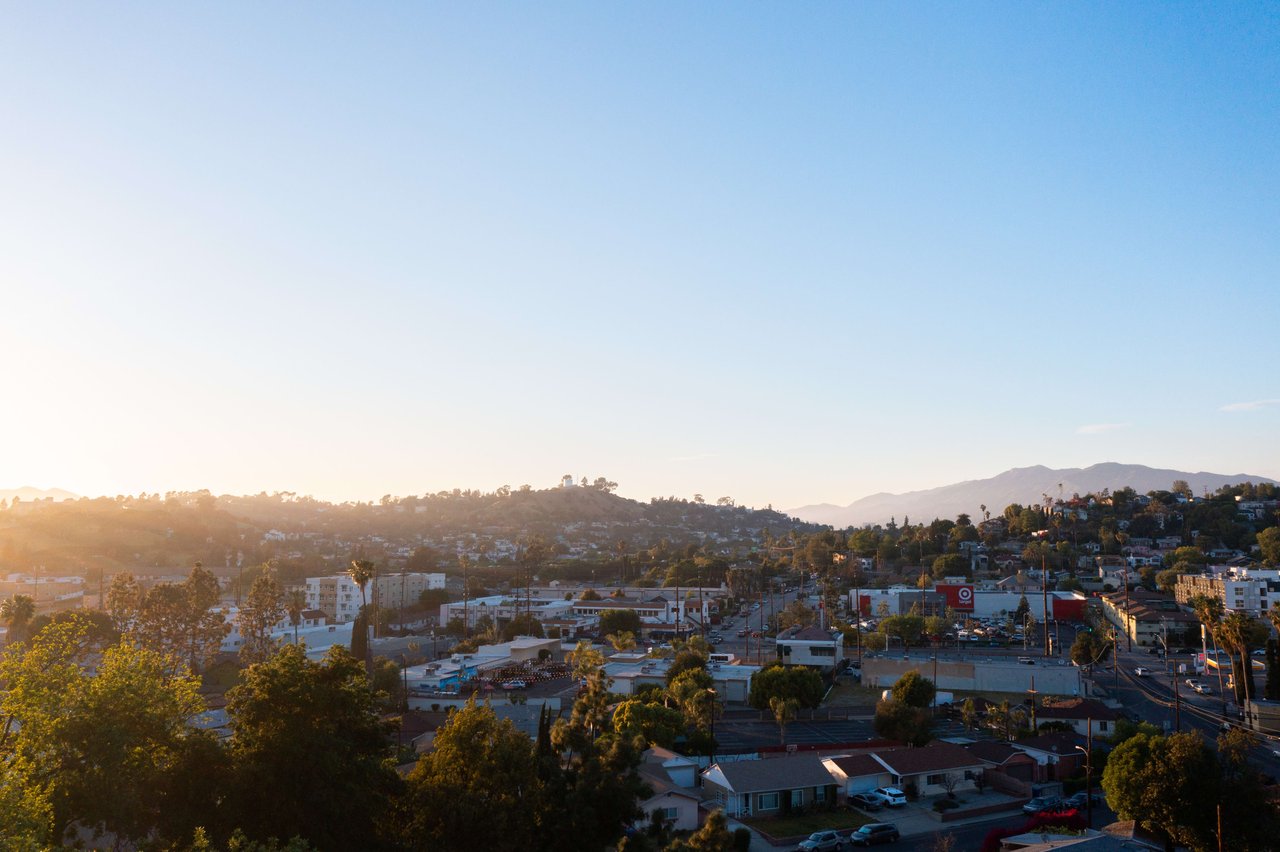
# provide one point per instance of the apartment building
(339, 598)
(1241, 590)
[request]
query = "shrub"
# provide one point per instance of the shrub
(741, 839)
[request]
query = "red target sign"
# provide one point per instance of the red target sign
(959, 597)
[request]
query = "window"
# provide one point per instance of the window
(671, 813)
(797, 798)
(1102, 724)
(934, 780)
(768, 801)
(820, 794)
(822, 652)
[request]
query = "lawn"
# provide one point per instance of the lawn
(803, 825)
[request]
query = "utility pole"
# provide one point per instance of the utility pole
(1044, 592)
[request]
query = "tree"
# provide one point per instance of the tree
(524, 624)
(180, 620)
(295, 604)
(802, 684)
(310, 734)
(619, 621)
(952, 564)
(907, 628)
(914, 690)
(654, 723)
(362, 573)
(1269, 544)
(895, 720)
(479, 782)
(784, 711)
(713, 836)
(124, 600)
(16, 613)
(622, 641)
(969, 711)
(797, 614)
(1089, 649)
(1167, 579)
(104, 745)
(1163, 783)
(262, 610)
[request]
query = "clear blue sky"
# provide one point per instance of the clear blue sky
(787, 253)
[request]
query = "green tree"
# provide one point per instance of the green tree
(180, 620)
(102, 744)
(1269, 544)
(1163, 783)
(124, 600)
(26, 817)
(907, 628)
(310, 734)
(784, 711)
(895, 720)
(796, 614)
(478, 788)
(295, 604)
(654, 723)
(951, 564)
(778, 681)
(17, 613)
(713, 836)
(262, 611)
(620, 620)
(914, 690)
(362, 572)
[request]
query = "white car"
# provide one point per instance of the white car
(893, 797)
(1142, 671)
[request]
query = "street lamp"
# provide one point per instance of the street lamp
(1088, 777)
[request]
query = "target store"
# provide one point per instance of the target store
(965, 599)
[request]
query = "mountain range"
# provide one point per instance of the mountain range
(26, 493)
(1025, 485)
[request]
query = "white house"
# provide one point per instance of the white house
(810, 646)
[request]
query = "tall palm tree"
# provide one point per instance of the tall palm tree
(1209, 611)
(17, 613)
(295, 603)
(361, 572)
(1237, 631)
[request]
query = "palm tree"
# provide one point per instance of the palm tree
(623, 640)
(784, 711)
(295, 603)
(1209, 611)
(361, 572)
(1237, 631)
(17, 613)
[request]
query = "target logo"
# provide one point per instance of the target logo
(965, 594)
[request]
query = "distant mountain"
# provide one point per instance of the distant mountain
(1025, 485)
(27, 493)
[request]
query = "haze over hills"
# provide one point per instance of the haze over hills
(1025, 485)
(27, 492)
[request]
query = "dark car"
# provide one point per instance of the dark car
(1081, 800)
(866, 801)
(874, 833)
(1042, 803)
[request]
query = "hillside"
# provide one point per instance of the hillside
(1025, 485)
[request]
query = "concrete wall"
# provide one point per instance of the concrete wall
(976, 675)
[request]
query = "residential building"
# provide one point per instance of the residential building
(674, 800)
(339, 598)
(1080, 714)
(1251, 591)
(769, 787)
(938, 768)
(857, 773)
(1146, 617)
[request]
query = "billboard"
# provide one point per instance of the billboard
(959, 595)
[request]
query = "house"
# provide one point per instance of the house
(857, 773)
(671, 778)
(1056, 752)
(940, 767)
(769, 787)
(1080, 714)
(811, 646)
(1003, 759)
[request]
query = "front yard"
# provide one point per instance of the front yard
(802, 825)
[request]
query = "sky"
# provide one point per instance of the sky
(785, 253)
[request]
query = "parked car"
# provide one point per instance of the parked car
(874, 833)
(1026, 661)
(1081, 800)
(822, 841)
(893, 797)
(1041, 803)
(1203, 689)
(866, 801)
(515, 684)
(1142, 671)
